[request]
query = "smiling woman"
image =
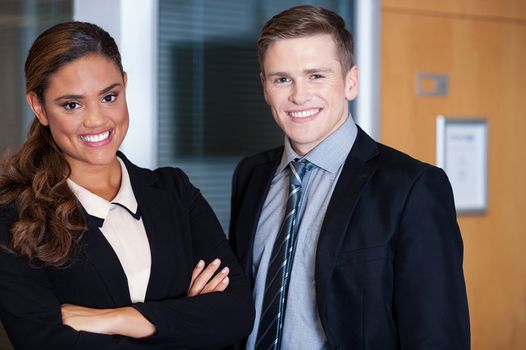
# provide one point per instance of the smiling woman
(94, 251)
(85, 109)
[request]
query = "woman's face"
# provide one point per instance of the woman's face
(85, 108)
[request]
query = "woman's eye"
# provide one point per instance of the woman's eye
(71, 105)
(109, 98)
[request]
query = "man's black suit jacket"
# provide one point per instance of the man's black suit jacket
(181, 229)
(389, 257)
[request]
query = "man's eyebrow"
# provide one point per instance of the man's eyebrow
(273, 74)
(306, 71)
(318, 70)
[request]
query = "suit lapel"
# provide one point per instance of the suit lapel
(160, 222)
(253, 200)
(100, 253)
(359, 167)
(158, 218)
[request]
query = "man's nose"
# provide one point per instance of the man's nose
(300, 93)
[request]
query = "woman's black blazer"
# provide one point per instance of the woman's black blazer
(181, 229)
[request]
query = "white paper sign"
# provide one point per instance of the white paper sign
(462, 153)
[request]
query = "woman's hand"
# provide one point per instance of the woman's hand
(129, 322)
(125, 321)
(202, 281)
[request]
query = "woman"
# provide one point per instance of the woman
(96, 252)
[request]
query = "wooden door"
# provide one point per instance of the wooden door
(482, 49)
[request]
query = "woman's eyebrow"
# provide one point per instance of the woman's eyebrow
(79, 97)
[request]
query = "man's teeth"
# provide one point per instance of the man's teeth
(96, 138)
(304, 114)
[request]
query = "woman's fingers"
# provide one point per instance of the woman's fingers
(204, 281)
(212, 285)
(197, 270)
(222, 286)
(202, 278)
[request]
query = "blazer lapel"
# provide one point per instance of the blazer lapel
(253, 200)
(160, 222)
(359, 167)
(158, 218)
(100, 253)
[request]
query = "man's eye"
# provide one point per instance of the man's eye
(282, 80)
(109, 98)
(71, 105)
(316, 76)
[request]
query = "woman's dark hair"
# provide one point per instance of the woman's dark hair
(49, 219)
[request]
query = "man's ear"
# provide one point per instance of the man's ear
(351, 83)
(263, 80)
(37, 107)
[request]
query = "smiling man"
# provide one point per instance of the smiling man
(349, 244)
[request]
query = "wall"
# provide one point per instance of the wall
(133, 25)
(481, 46)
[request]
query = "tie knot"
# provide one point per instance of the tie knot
(298, 169)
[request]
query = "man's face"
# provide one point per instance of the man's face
(306, 88)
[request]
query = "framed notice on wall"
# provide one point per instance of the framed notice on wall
(462, 151)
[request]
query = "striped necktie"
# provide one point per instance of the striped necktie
(280, 265)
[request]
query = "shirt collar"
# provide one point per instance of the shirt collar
(330, 153)
(98, 206)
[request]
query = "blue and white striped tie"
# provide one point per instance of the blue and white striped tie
(280, 265)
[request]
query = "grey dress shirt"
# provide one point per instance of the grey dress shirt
(302, 327)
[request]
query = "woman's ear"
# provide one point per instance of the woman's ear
(37, 107)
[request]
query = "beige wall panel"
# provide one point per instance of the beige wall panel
(513, 9)
(485, 62)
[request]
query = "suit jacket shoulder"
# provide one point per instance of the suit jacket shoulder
(248, 164)
(389, 159)
(164, 178)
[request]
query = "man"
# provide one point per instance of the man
(349, 244)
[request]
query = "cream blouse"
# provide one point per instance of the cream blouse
(124, 230)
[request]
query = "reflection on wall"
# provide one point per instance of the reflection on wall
(20, 24)
(234, 119)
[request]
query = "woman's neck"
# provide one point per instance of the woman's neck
(103, 180)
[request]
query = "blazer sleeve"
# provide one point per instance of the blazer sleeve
(430, 302)
(30, 310)
(209, 320)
